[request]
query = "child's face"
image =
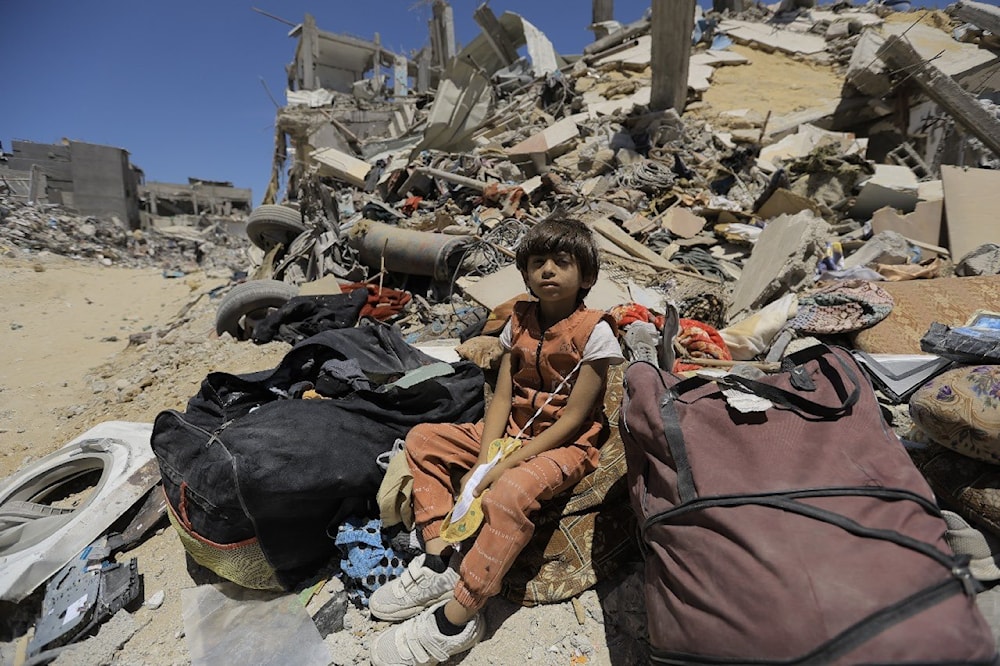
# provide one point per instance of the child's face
(554, 277)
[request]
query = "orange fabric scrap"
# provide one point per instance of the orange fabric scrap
(699, 341)
(382, 304)
(628, 313)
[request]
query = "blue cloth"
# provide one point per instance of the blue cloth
(368, 561)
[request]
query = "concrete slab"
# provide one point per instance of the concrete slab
(682, 222)
(784, 259)
(702, 66)
(598, 106)
(930, 190)
(892, 185)
(887, 247)
(640, 53)
(956, 59)
(804, 141)
(552, 136)
(923, 224)
(773, 37)
(786, 202)
(865, 70)
(699, 77)
(971, 200)
(866, 19)
(714, 58)
(340, 165)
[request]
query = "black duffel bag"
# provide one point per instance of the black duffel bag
(258, 480)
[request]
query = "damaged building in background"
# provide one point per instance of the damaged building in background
(89, 178)
(100, 181)
(172, 203)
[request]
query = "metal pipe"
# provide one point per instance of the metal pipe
(385, 247)
(453, 177)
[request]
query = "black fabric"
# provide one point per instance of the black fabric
(288, 471)
(305, 316)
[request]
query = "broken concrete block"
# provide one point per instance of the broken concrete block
(742, 119)
(311, 98)
(892, 185)
(342, 166)
(805, 140)
(545, 141)
(866, 71)
(786, 202)
(682, 222)
(784, 259)
(745, 135)
(887, 247)
(971, 200)
(841, 29)
(597, 105)
(966, 63)
(930, 190)
(923, 224)
(984, 260)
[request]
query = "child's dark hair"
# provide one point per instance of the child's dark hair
(562, 235)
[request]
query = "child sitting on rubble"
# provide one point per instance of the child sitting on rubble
(549, 396)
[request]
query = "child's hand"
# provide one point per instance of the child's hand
(487, 481)
(465, 480)
(491, 477)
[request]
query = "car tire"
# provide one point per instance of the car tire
(251, 299)
(269, 225)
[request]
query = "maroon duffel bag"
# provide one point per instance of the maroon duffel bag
(801, 534)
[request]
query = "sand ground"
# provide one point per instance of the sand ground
(68, 365)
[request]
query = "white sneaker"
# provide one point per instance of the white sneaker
(419, 587)
(417, 642)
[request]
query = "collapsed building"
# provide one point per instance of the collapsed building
(163, 203)
(655, 146)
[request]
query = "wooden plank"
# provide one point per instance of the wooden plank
(622, 239)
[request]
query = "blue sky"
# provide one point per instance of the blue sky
(178, 83)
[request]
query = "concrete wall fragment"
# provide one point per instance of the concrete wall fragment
(784, 259)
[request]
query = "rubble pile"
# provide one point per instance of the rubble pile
(846, 197)
(679, 202)
(206, 245)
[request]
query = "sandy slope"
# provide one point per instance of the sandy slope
(68, 366)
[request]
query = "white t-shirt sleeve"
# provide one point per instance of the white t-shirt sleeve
(602, 343)
(505, 336)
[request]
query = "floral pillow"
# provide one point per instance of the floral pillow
(960, 410)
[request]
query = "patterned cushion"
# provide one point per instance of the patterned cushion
(970, 487)
(960, 410)
(919, 303)
(584, 535)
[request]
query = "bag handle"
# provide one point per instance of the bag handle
(795, 402)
